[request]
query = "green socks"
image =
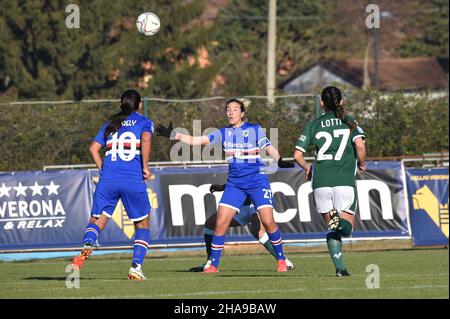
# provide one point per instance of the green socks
(268, 244)
(344, 228)
(334, 244)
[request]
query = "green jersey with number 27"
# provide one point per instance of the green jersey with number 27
(336, 160)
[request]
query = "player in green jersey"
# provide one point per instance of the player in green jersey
(340, 151)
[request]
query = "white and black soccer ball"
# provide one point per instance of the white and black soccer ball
(148, 23)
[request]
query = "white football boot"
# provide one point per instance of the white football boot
(136, 273)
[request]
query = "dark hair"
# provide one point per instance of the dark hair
(332, 98)
(238, 102)
(129, 102)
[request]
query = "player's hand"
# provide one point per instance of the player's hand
(283, 164)
(164, 131)
(148, 176)
(308, 172)
(362, 167)
(216, 188)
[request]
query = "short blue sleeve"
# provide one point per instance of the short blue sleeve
(148, 126)
(263, 141)
(216, 136)
(100, 137)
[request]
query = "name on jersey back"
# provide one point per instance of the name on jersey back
(129, 122)
(330, 122)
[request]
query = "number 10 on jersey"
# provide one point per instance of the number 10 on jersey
(125, 146)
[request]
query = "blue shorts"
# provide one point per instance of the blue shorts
(133, 195)
(244, 217)
(234, 196)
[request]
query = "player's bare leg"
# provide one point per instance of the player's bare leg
(223, 220)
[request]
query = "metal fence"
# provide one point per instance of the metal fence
(35, 134)
(42, 133)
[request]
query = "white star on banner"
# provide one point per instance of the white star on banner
(4, 191)
(37, 189)
(20, 190)
(52, 188)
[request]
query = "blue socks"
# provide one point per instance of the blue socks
(275, 239)
(218, 243)
(141, 239)
(216, 249)
(91, 234)
(208, 235)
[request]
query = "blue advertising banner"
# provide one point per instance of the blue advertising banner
(428, 191)
(43, 209)
(185, 201)
(50, 209)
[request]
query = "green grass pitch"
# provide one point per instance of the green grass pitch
(411, 273)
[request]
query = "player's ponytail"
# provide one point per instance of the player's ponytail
(332, 98)
(129, 102)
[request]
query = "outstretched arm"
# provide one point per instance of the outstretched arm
(192, 140)
(188, 139)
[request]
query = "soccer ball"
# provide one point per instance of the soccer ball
(148, 23)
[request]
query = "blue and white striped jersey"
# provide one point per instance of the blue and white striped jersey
(242, 150)
(122, 160)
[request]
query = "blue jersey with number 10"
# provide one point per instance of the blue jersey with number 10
(122, 160)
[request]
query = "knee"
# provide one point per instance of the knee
(142, 224)
(93, 220)
(345, 227)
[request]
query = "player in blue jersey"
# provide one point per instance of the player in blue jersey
(241, 141)
(247, 216)
(126, 138)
